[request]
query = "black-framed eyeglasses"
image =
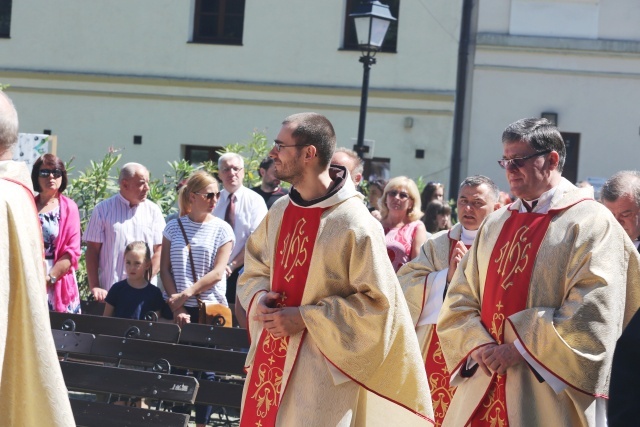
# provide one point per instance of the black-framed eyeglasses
(44, 173)
(518, 162)
(279, 145)
(395, 193)
(209, 196)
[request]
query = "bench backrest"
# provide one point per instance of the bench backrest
(99, 325)
(214, 336)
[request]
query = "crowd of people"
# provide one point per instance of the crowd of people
(358, 311)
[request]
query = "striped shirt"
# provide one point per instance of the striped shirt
(115, 224)
(205, 239)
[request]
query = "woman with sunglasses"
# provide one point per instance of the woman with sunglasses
(400, 212)
(195, 252)
(60, 221)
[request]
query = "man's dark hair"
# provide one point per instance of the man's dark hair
(52, 161)
(477, 180)
(621, 183)
(314, 129)
(540, 134)
(265, 164)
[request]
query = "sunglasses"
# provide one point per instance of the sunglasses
(44, 173)
(402, 194)
(518, 162)
(209, 196)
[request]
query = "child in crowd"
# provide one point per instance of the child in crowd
(135, 296)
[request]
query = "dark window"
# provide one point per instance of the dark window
(390, 43)
(572, 144)
(5, 18)
(218, 21)
(195, 154)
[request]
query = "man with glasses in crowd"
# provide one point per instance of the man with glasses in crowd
(532, 314)
(242, 208)
(126, 217)
(425, 279)
(326, 313)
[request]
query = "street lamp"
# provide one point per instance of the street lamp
(372, 20)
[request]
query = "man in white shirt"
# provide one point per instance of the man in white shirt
(621, 195)
(424, 280)
(117, 221)
(350, 160)
(242, 208)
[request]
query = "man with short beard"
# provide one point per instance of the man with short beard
(332, 340)
(424, 280)
(269, 188)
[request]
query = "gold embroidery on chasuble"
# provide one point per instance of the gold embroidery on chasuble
(505, 293)
(294, 249)
(436, 367)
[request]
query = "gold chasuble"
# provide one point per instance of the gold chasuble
(358, 362)
(416, 284)
(510, 269)
(560, 285)
(32, 389)
(294, 250)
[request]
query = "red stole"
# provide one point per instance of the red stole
(437, 372)
(505, 293)
(296, 240)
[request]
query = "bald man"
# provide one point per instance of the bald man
(121, 219)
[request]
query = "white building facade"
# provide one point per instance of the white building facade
(578, 60)
(186, 76)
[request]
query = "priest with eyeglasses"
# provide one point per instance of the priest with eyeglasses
(532, 314)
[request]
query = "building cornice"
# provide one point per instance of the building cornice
(561, 44)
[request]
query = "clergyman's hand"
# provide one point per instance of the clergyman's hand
(456, 255)
(282, 322)
(501, 357)
(477, 356)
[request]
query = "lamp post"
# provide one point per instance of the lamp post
(372, 20)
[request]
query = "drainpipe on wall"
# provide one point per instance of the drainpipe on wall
(464, 54)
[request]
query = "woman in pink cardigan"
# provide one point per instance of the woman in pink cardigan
(60, 222)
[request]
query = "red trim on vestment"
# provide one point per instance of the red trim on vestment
(554, 374)
(378, 394)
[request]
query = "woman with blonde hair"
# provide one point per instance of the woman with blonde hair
(195, 251)
(400, 212)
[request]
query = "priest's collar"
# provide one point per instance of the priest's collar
(341, 189)
(467, 236)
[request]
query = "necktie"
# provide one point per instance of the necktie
(230, 214)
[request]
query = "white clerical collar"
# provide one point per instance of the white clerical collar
(468, 236)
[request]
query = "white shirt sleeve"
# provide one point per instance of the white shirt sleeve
(553, 381)
(436, 283)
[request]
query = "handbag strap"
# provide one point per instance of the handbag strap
(186, 240)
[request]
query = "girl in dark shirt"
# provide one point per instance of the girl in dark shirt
(135, 296)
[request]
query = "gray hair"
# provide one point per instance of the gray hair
(358, 165)
(8, 123)
(620, 184)
(129, 170)
(228, 156)
(477, 180)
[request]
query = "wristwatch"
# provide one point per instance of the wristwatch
(53, 279)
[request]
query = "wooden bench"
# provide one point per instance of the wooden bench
(106, 381)
(100, 325)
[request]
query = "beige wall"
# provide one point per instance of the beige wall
(99, 72)
(592, 84)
